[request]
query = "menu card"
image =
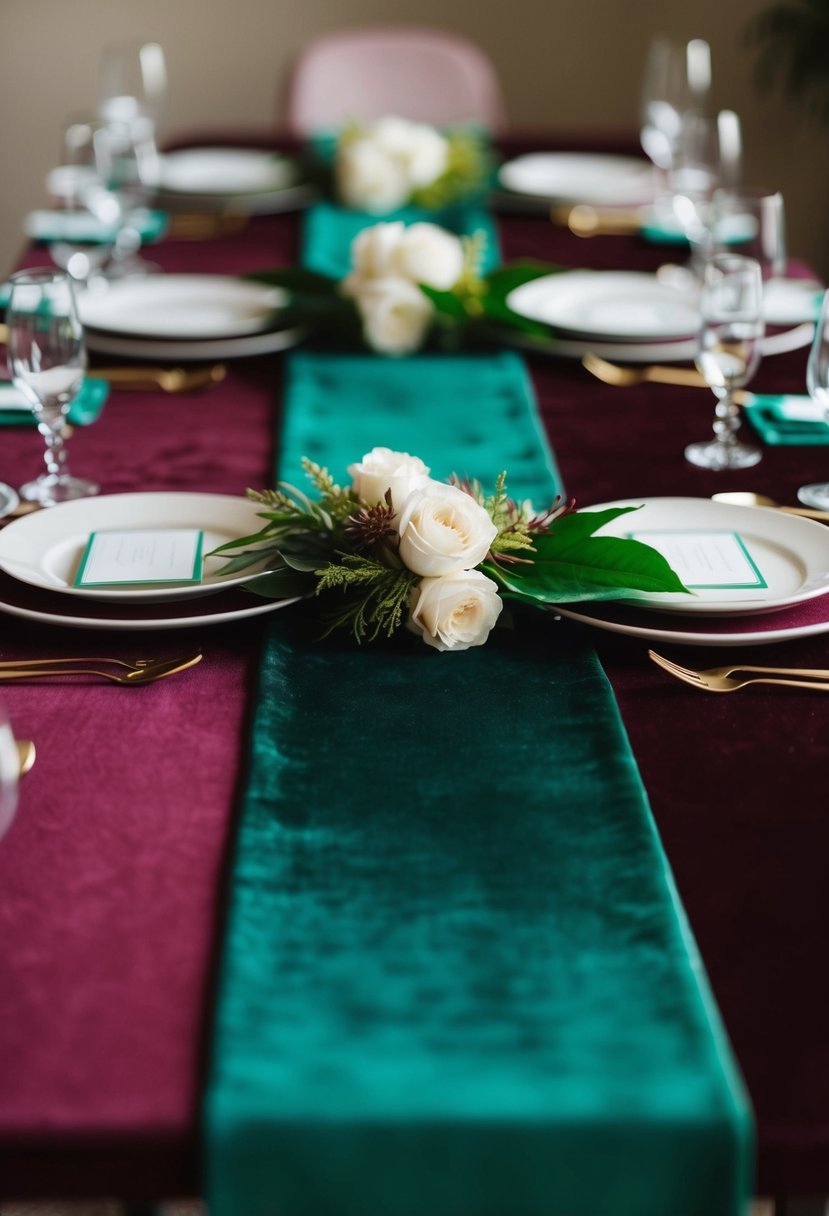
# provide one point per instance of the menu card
(115, 558)
(707, 559)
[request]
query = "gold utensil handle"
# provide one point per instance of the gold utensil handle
(26, 754)
(585, 220)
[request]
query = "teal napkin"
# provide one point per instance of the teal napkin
(84, 227)
(787, 420)
(86, 407)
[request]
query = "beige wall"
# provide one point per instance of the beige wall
(572, 64)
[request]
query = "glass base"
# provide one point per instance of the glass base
(815, 496)
(716, 455)
(50, 490)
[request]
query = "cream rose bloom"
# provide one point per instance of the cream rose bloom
(382, 470)
(420, 149)
(443, 530)
(426, 253)
(369, 179)
(396, 315)
(455, 611)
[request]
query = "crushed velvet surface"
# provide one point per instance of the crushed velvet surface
(101, 1078)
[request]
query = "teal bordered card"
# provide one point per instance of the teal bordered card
(136, 557)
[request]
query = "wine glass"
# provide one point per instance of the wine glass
(9, 773)
(728, 354)
(676, 81)
(752, 221)
(92, 213)
(817, 385)
(47, 358)
(132, 84)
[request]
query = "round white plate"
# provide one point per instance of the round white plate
(244, 180)
(791, 553)
(650, 352)
(789, 301)
(580, 177)
(181, 307)
(8, 499)
(610, 305)
(44, 549)
(271, 341)
(225, 171)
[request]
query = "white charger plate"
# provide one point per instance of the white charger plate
(181, 307)
(610, 305)
(44, 549)
(682, 351)
(792, 553)
(580, 177)
(245, 180)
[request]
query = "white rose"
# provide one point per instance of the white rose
(382, 470)
(455, 611)
(396, 314)
(443, 530)
(370, 179)
(419, 148)
(372, 255)
(429, 254)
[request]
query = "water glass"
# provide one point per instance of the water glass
(47, 359)
(817, 386)
(728, 354)
(92, 213)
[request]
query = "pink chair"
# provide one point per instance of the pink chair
(425, 75)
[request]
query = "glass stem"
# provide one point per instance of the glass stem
(55, 451)
(726, 418)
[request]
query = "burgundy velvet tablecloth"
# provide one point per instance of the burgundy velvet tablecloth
(111, 877)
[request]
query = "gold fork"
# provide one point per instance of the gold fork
(621, 377)
(154, 670)
(26, 755)
(136, 665)
(169, 379)
(585, 220)
(724, 679)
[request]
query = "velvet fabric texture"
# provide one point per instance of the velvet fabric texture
(456, 974)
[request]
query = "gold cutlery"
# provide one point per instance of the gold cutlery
(622, 377)
(201, 226)
(745, 498)
(143, 671)
(169, 379)
(728, 678)
(26, 755)
(584, 220)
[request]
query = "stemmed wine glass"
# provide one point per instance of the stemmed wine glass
(728, 354)
(9, 773)
(817, 385)
(676, 82)
(47, 358)
(92, 213)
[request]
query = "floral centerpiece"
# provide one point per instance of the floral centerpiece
(397, 547)
(386, 164)
(409, 285)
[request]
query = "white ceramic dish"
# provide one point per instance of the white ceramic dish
(269, 342)
(610, 305)
(791, 553)
(789, 301)
(682, 351)
(44, 549)
(181, 307)
(244, 180)
(579, 177)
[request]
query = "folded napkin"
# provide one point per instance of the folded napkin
(84, 227)
(86, 408)
(788, 420)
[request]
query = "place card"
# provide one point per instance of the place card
(11, 398)
(706, 559)
(168, 555)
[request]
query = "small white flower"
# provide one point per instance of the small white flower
(455, 611)
(382, 470)
(372, 255)
(396, 315)
(443, 530)
(370, 179)
(428, 254)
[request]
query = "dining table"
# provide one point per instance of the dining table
(115, 871)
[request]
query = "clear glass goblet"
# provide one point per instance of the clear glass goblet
(47, 359)
(751, 220)
(728, 354)
(91, 213)
(817, 386)
(9, 773)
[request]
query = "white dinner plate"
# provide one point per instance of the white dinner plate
(579, 177)
(790, 552)
(181, 307)
(682, 351)
(789, 301)
(44, 549)
(610, 305)
(242, 180)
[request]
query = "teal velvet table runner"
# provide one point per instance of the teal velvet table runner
(456, 977)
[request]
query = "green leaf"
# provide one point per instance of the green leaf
(281, 585)
(571, 564)
(498, 286)
(296, 279)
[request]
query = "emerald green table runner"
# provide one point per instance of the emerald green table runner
(456, 976)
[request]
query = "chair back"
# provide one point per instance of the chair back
(425, 75)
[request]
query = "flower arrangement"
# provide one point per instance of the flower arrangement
(398, 548)
(384, 165)
(409, 285)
